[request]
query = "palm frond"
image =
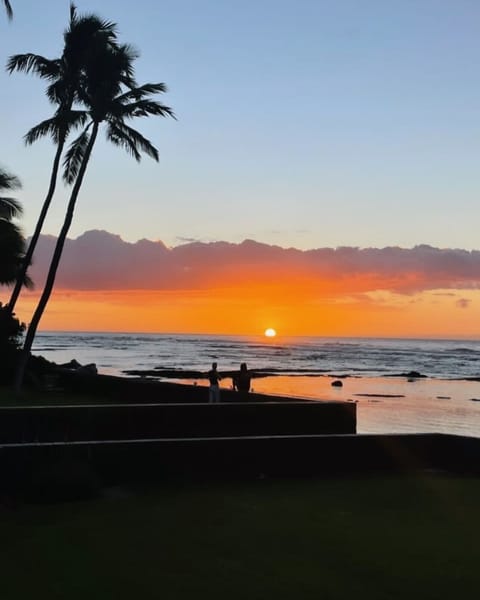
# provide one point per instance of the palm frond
(74, 156)
(58, 127)
(125, 56)
(87, 26)
(142, 108)
(75, 119)
(34, 63)
(59, 92)
(10, 208)
(122, 135)
(73, 12)
(116, 136)
(8, 181)
(47, 127)
(141, 91)
(8, 8)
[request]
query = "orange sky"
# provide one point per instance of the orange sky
(290, 309)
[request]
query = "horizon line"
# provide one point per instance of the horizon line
(438, 338)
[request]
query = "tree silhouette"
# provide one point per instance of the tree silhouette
(84, 34)
(106, 100)
(12, 243)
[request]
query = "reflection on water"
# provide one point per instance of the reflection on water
(421, 406)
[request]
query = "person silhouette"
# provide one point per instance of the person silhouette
(241, 382)
(214, 389)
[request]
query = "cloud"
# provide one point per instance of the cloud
(98, 260)
(186, 240)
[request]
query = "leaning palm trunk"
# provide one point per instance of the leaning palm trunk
(36, 234)
(52, 272)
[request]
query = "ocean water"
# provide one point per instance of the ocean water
(372, 371)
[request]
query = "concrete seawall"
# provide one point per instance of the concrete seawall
(173, 420)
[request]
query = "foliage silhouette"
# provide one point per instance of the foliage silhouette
(12, 243)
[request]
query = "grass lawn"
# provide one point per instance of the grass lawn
(376, 538)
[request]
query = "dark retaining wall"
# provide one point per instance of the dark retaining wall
(24, 466)
(141, 421)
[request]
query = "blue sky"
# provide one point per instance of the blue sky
(309, 124)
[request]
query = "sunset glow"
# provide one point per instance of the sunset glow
(243, 288)
(270, 332)
(242, 311)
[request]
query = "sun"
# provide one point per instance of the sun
(270, 332)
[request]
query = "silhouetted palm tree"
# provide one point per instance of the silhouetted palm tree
(84, 34)
(12, 243)
(106, 101)
(8, 8)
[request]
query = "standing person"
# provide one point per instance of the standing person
(242, 381)
(214, 389)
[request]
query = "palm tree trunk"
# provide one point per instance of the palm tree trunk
(38, 228)
(37, 315)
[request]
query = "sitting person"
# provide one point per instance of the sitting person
(241, 382)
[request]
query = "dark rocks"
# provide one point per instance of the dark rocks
(337, 383)
(411, 375)
(73, 364)
(90, 369)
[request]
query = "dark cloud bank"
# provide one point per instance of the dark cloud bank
(103, 261)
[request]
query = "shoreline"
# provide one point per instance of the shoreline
(180, 374)
(395, 403)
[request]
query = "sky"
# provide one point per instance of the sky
(309, 125)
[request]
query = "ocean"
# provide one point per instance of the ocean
(374, 372)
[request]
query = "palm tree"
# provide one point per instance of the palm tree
(84, 34)
(105, 102)
(8, 8)
(12, 243)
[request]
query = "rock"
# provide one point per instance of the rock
(337, 383)
(90, 369)
(411, 375)
(414, 375)
(73, 364)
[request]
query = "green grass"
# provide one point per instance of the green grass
(375, 538)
